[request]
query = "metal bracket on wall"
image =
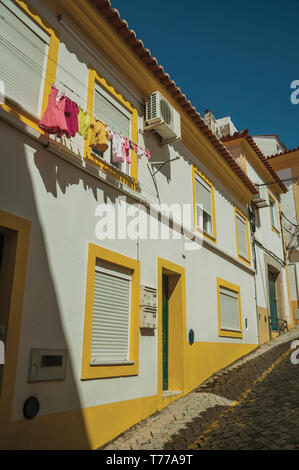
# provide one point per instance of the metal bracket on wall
(162, 164)
(154, 173)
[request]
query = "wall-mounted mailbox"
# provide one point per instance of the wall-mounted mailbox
(47, 364)
(148, 307)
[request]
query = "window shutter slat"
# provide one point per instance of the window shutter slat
(203, 196)
(111, 113)
(242, 237)
(23, 51)
(229, 307)
(110, 323)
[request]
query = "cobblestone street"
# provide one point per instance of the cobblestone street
(252, 404)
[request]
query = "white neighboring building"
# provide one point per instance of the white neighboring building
(285, 163)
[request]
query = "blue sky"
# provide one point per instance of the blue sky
(234, 58)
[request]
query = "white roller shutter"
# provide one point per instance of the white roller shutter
(111, 112)
(229, 309)
(111, 316)
(23, 58)
(203, 194)
(242, 237)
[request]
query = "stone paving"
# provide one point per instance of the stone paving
(247, 406)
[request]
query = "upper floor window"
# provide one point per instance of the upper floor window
(242, 235)
(109, 106)
(28, 51)
(204, 197)
(111, 112)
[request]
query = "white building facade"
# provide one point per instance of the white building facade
(85, 359)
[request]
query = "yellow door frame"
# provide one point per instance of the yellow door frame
(22, 227)
(177, 330)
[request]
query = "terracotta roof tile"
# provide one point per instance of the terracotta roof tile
(129, 36)
(283, 153)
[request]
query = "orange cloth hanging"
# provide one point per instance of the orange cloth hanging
(99, 135)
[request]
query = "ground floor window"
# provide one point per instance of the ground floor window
(229, 309)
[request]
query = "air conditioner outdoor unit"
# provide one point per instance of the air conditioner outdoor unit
(161, 117)
(261, 199)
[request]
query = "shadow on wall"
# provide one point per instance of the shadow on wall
(41, 322)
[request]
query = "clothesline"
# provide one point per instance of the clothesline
(64, 117)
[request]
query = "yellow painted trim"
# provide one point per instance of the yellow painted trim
(177, 341)
(51, 67)
(94, 372)
(271, 196)
(243, 216)
(213, 237)
(22, 227)
(234, 288)
(96, 30)
(94, 77)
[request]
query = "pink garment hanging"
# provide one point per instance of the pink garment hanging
(71, 115)
(117, 148)
(126, 150)
(53, 120)
(147, 154)
(62, 103)
(140, 152)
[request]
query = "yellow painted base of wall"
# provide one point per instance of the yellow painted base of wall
(204, 359)
(92, 427)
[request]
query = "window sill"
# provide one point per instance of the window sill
(230, 333)
(206, 234)
(231, 329)
(245, 260)
(22, 115)
(111, 363)
(111, 166)
(112, 171)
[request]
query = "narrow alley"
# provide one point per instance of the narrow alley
(251, 405)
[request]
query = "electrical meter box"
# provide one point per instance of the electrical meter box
(296, 313)
(148, 307)
(47, 364)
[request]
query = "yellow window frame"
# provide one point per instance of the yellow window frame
(51, 67)
(276, 205)
(213, 237)
(243, 216)
(131, 181)
(104, 371)
(236, 289)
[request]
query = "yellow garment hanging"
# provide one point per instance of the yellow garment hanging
(83, 123)
(99, 135)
